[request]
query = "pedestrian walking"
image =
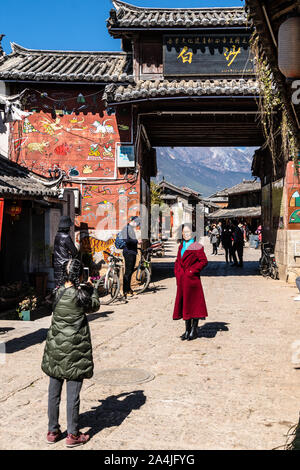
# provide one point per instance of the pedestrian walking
(190, 302)
(214, 239)
(130, 241)
(64, 248)
(297, 298)
(220, 230)
(226, 240)
(238, 245)
(68, 350)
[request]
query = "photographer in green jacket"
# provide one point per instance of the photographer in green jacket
(68, 351)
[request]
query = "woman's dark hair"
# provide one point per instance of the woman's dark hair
(72, 271)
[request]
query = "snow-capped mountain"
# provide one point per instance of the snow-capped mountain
(205, 169)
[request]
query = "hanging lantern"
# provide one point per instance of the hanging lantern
(289, 47)
(14, 210)
(80, 98)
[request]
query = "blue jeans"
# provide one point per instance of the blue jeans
(298, 282)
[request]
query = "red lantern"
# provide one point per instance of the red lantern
(14, 210)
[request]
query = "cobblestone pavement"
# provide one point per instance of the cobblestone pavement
(234, 387)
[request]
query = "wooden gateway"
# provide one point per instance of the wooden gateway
(185, 77)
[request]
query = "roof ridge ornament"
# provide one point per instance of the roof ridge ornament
(1, 49)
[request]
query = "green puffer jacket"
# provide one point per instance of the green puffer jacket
(68, 350)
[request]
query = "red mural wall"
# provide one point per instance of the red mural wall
(76, 134)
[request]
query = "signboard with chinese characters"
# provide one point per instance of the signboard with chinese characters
(204, 54)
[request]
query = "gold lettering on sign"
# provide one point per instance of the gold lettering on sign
(234, 53)
(186, 56)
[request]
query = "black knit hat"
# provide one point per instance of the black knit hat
(65, 222)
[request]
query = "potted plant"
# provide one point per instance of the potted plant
(26, 306)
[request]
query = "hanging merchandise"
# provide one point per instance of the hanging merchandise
(80, 98)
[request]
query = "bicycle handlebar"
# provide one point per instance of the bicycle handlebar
(112, 256)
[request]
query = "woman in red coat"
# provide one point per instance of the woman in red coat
(190, 302)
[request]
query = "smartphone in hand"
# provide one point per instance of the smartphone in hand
(86, 274)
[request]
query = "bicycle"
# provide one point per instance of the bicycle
(108, 286)
(267, 263)
(144, 270)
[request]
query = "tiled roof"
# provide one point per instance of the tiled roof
(126, 16)
(232, 213)
(18, 181)
(245, 187)
(30, 64)
(144, 89)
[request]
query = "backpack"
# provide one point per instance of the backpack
(120, 243)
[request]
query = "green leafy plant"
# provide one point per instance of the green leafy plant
(28, 303)
(155, 192)
(272, 111)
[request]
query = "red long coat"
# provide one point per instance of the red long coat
(190, 301)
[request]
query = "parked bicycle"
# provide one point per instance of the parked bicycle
(108, 286)
(144, 270)
(267, 262)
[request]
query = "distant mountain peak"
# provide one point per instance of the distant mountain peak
(205, 169)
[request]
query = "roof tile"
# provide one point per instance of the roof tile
(27, 64)
(130, 16)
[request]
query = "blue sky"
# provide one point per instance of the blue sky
(73, 24)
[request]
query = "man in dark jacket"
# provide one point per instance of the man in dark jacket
(238, 245)
(64, 248)
(129, 252)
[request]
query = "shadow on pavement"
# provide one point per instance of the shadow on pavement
(95, 316)
(5, 330)
(112, 411)
(161, 270)
(24, 342)
(210, 330)
(220, 268)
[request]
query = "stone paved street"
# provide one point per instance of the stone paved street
(237, 386)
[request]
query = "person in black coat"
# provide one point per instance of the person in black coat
(129, 252)
(238, 245)
(64, 248)
(226, 239)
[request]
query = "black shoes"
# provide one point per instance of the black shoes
(188, 325)
(191, 330)
(194, 330)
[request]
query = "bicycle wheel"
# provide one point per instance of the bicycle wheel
(110, 292)
(143, 278)
(264, 267)
(274, 272)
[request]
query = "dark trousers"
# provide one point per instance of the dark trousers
(228, 253)
(130, 260)
(73, 404)
(238, 248)
(215, 248)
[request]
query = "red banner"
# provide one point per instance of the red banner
(1, 217)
